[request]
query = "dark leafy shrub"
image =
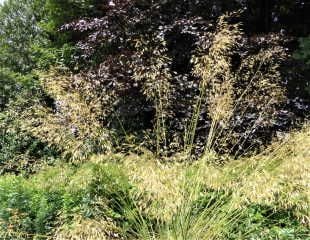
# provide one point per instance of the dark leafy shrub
(303, 54)
(132, 62)
(136, 74)
(25, 210)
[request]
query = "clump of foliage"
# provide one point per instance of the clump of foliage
(53, 202)
(19, 30)
(304, 50)
(303, 54)
(19, 150)
(72, 124)
(140, 85)
(264, 222)
(171, 81)
(8, 87)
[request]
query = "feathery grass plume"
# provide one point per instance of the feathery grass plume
(257, 89)
(176, 197)
(18, 235)
(151, 70)
(160, 184)
(203, 213)
(282, 176)
(88, 229)
(278, 176)
(265, 179)
(212, 65)
(233, 92)
(73, 124)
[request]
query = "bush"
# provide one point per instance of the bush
(19, 150)
(60, 197)
(303, 53)
(139, 197)
(25, 210)
(265, 222)
(19, 30)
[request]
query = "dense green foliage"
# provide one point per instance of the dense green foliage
(37, 205)
(19, 150)
(19, 31)
(304, 52)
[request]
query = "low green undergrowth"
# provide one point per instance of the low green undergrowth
(45, 204)
(267, 223)
(138, 197)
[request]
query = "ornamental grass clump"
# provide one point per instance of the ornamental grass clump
(238, 98)
(151, 70)
(72, 122)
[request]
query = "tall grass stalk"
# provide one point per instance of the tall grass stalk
(212, 66)
(190, 131)
(160, 122)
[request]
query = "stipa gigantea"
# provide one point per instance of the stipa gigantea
(154, 75)
(213, 67)
(227, 92)
(258, 80)
(74, 125)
